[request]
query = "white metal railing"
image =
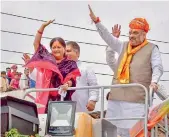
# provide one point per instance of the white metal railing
(102, 100)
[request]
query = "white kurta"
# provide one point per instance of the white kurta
(122, 108)
(24, 82)
(87, 78)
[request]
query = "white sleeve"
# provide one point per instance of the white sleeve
(92, 81)
(33, 74)
(22, 82)
(157, 66)
(114, 43)
(111, 58)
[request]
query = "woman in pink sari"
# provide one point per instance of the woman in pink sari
(53, 69)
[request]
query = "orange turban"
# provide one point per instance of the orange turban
(139, 23)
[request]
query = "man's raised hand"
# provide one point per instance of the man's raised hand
(92, 16)
(116, 30)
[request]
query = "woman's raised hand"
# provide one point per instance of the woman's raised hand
(48, 22)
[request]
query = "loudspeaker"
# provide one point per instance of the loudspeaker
(19, 114)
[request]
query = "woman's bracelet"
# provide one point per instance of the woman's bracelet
(40, 32)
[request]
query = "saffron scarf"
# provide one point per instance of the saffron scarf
(123, 74)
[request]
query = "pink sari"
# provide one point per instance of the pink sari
(51, 75)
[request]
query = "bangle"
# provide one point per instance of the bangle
(97, 21)
(40, 32)
(68, 83)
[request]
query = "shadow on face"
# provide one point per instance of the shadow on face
(136, 37)
(26, 72)
(58, 50)
(57, 46)
(71, 53)
(3, 75)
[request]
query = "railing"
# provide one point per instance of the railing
(154, 131)
(102, 100)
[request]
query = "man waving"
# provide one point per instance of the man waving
(140, 62)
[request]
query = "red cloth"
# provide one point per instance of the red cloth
(9, 74)
(15, 84)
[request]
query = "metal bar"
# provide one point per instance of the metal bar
(10, 119)
(156, 131)
(150, 104)
(162, 95)
(151, 96)
(152, 132)
(87, 87)
(102, 103)
(129, 118)
(146, 112)
(163, 128)
(166, 126)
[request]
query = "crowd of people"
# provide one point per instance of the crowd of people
(11, 79)
(61, 68)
